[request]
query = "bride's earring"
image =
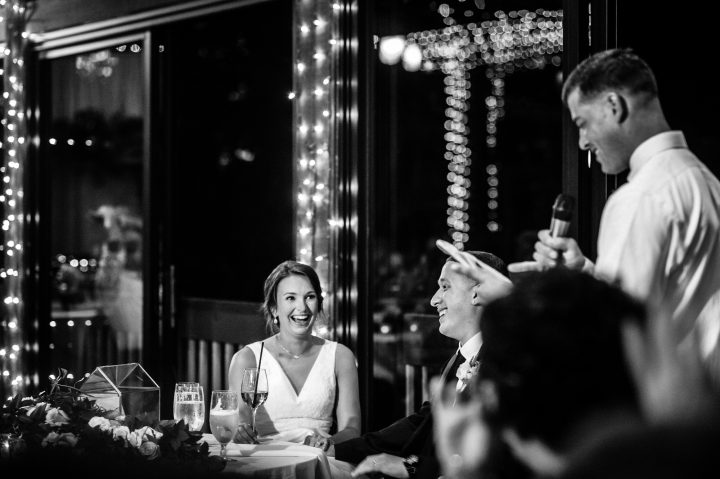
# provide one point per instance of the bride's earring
(276, 321)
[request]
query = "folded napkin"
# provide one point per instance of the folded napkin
(270, 449)
(274, 449)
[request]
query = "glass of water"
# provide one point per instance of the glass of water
(189, 405)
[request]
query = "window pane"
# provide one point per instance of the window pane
(95, 157)
(486, 119)
(231, 130)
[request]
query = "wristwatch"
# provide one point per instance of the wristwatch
(410, 462)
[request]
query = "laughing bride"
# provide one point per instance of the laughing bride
(312, 382)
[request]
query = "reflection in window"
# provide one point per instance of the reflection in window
(468, 149)
(94, 145)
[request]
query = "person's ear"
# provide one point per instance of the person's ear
(619, 106)
(475, 298)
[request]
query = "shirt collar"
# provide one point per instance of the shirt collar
(654, 145)
(471, 347)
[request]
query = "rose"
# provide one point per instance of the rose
(134, 439)
(56, 416)
(50, 439)
(66, 439)
(149, 449)
(101, 422)
(121, 432)
(145, 433)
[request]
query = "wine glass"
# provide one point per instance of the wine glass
(224, 417)
(189, 405)
(254, 390)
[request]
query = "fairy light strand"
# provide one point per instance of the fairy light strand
(13, 347)
(513, 41)
(313, 100)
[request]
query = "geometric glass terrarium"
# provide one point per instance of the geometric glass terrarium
(124, 390)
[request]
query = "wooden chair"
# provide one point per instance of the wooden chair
(211, 331)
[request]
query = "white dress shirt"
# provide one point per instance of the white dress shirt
(660, 235)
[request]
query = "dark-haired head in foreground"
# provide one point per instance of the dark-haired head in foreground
(553, 358)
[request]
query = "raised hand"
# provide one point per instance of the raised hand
(488, 287)
(461, 435)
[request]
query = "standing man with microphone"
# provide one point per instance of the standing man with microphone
(659, 236)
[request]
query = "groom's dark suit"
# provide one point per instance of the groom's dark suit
(410, 435)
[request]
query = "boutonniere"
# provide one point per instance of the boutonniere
(467, 371)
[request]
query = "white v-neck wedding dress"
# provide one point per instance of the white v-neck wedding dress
(291, 416)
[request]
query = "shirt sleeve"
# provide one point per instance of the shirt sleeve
(635, 233)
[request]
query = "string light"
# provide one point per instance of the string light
(512, 41)
(11, 202)
(313, 97)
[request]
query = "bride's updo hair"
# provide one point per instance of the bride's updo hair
(282, 271)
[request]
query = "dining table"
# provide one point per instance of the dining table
(279, 460)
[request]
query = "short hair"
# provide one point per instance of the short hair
(282, 271)
(487, 258)
(616, 68)
(553, 354)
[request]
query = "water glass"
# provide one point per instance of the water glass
(224, 417)
(189, 405)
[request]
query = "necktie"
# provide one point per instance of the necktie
(448, 374)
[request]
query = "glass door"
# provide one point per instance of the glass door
(94, 106)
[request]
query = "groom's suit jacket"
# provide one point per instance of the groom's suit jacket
(410, 435)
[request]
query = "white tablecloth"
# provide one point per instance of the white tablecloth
(279, 460)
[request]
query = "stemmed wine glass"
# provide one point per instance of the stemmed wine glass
(224, 417)
(254, 390)
(189, 405)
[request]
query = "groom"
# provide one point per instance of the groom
(406, 448)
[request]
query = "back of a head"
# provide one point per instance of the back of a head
(615, 69)
(553, 351)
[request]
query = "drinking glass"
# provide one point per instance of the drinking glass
(254, 390)
(224, 417)
(189, 405)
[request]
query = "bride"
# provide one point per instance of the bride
(312, 382)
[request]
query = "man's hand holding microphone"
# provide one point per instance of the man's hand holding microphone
(553, 247)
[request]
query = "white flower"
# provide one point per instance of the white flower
(134, 439)
(56, 416)
(145, 433)
(466, 371)
(99, 421)
(121, 432)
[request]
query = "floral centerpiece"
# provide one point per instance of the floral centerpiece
(66, 426)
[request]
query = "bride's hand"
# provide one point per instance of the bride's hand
(244, 434)
(319, 441)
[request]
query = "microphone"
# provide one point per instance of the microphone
(561, 216)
